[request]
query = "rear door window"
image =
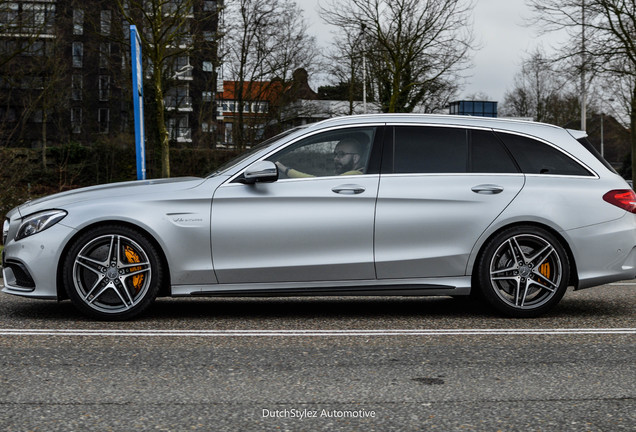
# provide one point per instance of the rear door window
(488, 154)
(423, 149)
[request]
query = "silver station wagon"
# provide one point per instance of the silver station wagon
(511, 211)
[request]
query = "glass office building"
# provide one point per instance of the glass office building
(474, 108)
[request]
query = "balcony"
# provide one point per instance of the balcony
(179, 103)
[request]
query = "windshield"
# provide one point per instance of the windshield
(253, 150)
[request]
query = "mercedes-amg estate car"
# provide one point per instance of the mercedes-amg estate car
(514, 212)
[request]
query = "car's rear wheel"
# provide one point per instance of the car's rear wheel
(523, 271)
(112, 272)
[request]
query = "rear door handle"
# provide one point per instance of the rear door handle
(348, 189)
(487, 189)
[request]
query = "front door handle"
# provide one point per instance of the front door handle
(348, 189)
(487, 189)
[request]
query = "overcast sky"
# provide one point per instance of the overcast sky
(499, 27)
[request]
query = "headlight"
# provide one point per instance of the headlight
(37, 222)
(5, 231)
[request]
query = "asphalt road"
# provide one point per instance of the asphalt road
(306, 364)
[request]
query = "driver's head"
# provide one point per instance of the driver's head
(347, 155)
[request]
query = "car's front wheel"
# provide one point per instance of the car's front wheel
(112, 272)
(523, 271)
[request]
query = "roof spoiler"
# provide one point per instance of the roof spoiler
(577, 134)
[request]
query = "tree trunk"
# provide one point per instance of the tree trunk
(44, 118)
(164, 138)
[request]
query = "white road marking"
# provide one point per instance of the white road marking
(312, 333)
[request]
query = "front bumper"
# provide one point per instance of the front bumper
(30, 265)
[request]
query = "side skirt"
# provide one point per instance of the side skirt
(388, 287)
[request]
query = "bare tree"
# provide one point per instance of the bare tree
(541, 92)
(419, 47)
(21, 25)
(266, 39)
(603, 34)
(345, 64)
(164, 27)
(33, 73)
(51, 101)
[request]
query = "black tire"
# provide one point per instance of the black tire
(112, 272)
(523, 271)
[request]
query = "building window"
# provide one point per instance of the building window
(125, 28)
(77, 85)
(104, 22)
(260, 107)
(208, 127)
(125, 59)
(78, 54)
(30, 82)
(38, 17)
(206, 96)
(35, 49)
(76, 120)
(209, 6)
(474, 108)
(179, 128)
(78, 21)
(182, 68)
(177, 6)
(37, 116)
(104, 54)
(7, 115)
(178, 97)
(207, 66)
(103, 120)
(125, 121)
(104, 87)
(228, 133)
(9, 15)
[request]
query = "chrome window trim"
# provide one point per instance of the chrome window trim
(305, 179)
(461, 174)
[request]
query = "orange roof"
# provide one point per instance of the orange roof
(252, 90)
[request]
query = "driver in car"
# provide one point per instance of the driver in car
(347, 158)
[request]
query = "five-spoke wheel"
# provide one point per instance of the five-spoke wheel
(112, 272)
(523, 271)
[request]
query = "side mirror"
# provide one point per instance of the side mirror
(263, 172)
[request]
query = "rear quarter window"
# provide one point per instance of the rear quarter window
(589, 147)
(535, 157)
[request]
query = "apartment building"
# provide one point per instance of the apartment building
(65, 71)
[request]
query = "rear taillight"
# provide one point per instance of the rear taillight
(623, 198)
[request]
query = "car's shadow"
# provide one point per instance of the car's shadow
(325, 308)
(288, 309)
(266, 308)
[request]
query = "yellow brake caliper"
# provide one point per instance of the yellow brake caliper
(544, 269)
(133, 257)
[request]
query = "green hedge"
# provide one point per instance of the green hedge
(71, 166)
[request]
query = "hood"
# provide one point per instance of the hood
(111, 190)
